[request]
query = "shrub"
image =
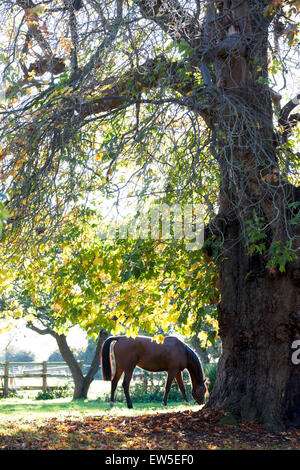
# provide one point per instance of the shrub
(12, 394)
(63, 391)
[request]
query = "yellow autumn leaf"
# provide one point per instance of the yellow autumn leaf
(111, 430)
(56, 308)
(203, 338)
(98, 261)
(63, 428)
(158, 338)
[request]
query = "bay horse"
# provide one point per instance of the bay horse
(172, 356)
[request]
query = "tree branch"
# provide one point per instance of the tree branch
(96, 359)
(46, 331)
(63, 346)
(171, 18)
(288, 120)
(32, 23)
(116, 91)
(74, 37)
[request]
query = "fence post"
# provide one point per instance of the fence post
(6, 378)
(44, 375)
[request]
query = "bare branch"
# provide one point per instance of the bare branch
(172, 18)
(288, 120)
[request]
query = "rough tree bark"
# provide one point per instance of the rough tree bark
(258, 319)
(259, 312)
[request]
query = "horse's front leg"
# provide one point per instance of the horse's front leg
(181, 386)
(170, 378)
(126, 383)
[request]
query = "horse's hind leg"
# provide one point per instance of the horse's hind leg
(114, 384)
(126, 383)
(170, 378)
(181, 386)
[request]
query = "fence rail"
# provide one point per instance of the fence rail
(9, 371)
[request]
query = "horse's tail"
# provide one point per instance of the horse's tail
(105, 357)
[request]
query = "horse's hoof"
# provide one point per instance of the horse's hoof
(164, 404)
(111, 404)
(186, 402)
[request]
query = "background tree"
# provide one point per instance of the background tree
(19, 356)
(172, 99)
(39, 317)
(102, 285)
(81, 381)
(55, 356)
(125, 286)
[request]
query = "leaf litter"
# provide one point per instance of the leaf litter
(186, 430)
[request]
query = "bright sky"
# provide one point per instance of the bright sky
(23, 339)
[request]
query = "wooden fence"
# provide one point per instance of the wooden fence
(9, 371)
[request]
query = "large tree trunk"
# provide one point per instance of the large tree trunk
(259, 318)
(259, 312)
(81, 382)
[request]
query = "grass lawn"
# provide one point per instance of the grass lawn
(26, 408)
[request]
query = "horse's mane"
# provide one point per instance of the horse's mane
(195, 359)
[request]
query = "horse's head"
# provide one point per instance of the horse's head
(201, 393)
